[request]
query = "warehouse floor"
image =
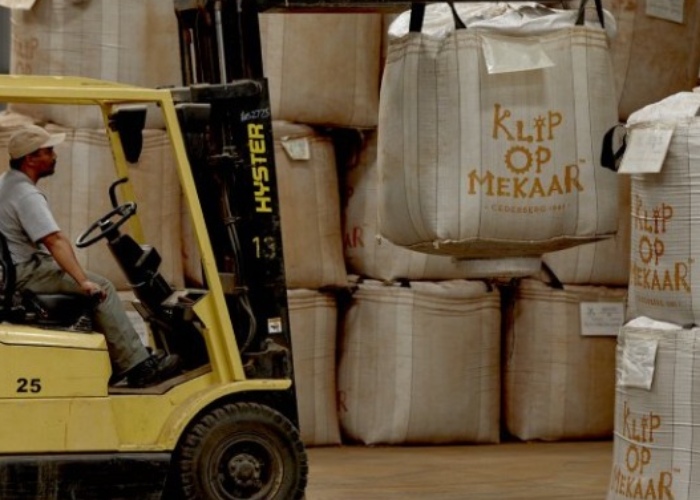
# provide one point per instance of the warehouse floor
(526, 471)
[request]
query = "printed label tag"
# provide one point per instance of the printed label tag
(671, 10)
(601, 318)
(511, 54)
(646, 150)
(637, 363)
(297, 149)
(274, 325)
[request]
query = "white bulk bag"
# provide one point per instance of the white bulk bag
(78, 195)
(313, 322)
(605, 262)
(367, 253)
(665, 234)
(307, 180)
(490, 136)
(420, 364)
(559, 383)
(307, 183)
(129, 41)
(656, 448)
(323, 69)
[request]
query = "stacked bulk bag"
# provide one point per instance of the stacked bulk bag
(605, 262)
(307, 183)
(656, 51)
(313, 322)
(656, 443)
(665, 235)
(559, 361)
(420, 363)
(368, 254)
(78, 195)
(490, 135)
(129, 41)
(323, 69)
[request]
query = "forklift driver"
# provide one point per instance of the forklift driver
(45, 261)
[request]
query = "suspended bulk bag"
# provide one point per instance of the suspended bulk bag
(665, 204)
(490, 135)
(368, 254)
(421, 364)
(656, 448)
(605, 262)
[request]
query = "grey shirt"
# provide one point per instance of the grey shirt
(25, 216)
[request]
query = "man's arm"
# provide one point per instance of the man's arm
(62, 251)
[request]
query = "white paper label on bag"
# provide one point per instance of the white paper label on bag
(601, 318)
(637, 363)
(297, 149)
(510, 54)
(671, 10)
(646, 149)
(18, 4)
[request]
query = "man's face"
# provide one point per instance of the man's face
(43, 161)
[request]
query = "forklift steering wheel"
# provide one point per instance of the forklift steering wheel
(106, 225)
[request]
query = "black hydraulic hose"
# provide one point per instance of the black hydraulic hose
(242, 294)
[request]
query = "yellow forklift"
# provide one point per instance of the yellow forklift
(226, 427)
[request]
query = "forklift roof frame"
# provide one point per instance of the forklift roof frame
(211, 308)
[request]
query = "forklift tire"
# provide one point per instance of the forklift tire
(242, 451)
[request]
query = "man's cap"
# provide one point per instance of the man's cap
(32, 138)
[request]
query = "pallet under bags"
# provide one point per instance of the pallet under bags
(490, 135)
(663, 148)
(420, 363)
(655, 450)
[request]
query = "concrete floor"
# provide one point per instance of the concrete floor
(527, 471)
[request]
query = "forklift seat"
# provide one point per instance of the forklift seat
(26, 307)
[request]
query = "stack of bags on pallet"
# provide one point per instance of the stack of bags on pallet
(656, 64)
(473, 159)
(552, 393)
(482, 163)
(656, 410)
(323, 72)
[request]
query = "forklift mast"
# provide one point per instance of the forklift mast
(224, 113)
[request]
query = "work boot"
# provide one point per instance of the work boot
(152, 371)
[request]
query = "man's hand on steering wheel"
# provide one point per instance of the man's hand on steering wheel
(92, 289)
